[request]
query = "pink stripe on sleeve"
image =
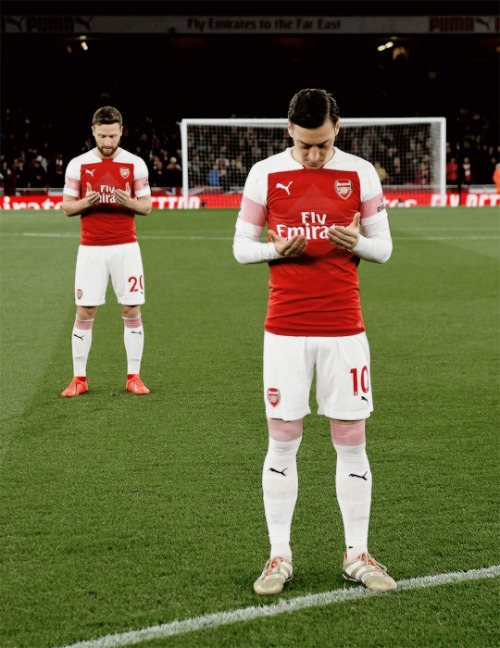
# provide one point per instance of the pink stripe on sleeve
(141, 186)
(252, 212)
(373, 206)
(73, 184)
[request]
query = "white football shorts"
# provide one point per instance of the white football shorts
(97, 264)
(342, 368)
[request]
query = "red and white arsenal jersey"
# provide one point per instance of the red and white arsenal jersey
(108, 223)
(316, 293)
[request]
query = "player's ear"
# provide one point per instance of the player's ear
(290, 129)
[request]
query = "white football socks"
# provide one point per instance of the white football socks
(354, 490)
(133, 338)
(280, 488)
(81, 341)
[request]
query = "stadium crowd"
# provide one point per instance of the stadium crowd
(33, 156)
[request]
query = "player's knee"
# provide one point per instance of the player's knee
(348, 433)
(86, 312)
(280, 430)
(130, 311)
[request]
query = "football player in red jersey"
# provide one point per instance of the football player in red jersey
(107, 187)
(313, 198)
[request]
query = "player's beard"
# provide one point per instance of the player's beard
(108, 152)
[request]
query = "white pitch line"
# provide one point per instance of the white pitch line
(218, 619)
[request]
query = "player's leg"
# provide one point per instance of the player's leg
(353, 482)
(280, 489)
(127, 276)
(91, 278)
(287, 381)
(344, 395)
(133, 339)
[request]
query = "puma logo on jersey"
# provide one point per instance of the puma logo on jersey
(91, 172)
(285, 187)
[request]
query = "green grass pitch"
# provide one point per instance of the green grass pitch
(120, 512)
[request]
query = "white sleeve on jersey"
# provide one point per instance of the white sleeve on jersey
(376, 243)
(247, 247)
(140, 172)
(72, 178)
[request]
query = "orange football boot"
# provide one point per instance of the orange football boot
(135, 384)
(77, 386)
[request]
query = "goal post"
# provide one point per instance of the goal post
(408, 152)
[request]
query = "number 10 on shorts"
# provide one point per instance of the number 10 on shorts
(360, 380)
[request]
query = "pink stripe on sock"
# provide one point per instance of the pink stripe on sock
(280, 430)
(348, 434)
(83, 325)
(132, 322)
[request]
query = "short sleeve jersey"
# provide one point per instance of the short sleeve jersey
(316, 293)
(108, 223)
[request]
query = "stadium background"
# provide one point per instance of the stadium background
(119, 514)
(51, 86)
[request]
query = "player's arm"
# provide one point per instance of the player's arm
(247, 246)
(74, 206)
(140, 202)
(140, 205)
(375, 244)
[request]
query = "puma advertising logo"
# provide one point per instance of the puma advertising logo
(285, 187)
(364, 398)
(90, 171)
(80, 337)
(359, 476)
(280, 472)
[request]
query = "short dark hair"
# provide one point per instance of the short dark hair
(311, 108)
(107, 115)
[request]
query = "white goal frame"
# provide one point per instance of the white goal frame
(438, 163)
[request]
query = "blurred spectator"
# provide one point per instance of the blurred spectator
(467, 171)
(9, 181)
(452, 171)
(382, 173)
(422, 174)
(395, 173)
(36, 176)
(213, 177)
(173, 176)
(157, 177)
(496, 177)
(55, 171)
(195, 173)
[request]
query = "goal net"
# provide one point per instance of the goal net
(408, 153)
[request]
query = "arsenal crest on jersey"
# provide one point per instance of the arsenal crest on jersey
(124, 172)
(273, 396)
(343, 188)
(79, 293)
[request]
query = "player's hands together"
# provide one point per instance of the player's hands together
(123, 196)
(291, 247)
(92, 197)
(345, 238)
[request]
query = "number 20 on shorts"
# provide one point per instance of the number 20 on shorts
(136, 284)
